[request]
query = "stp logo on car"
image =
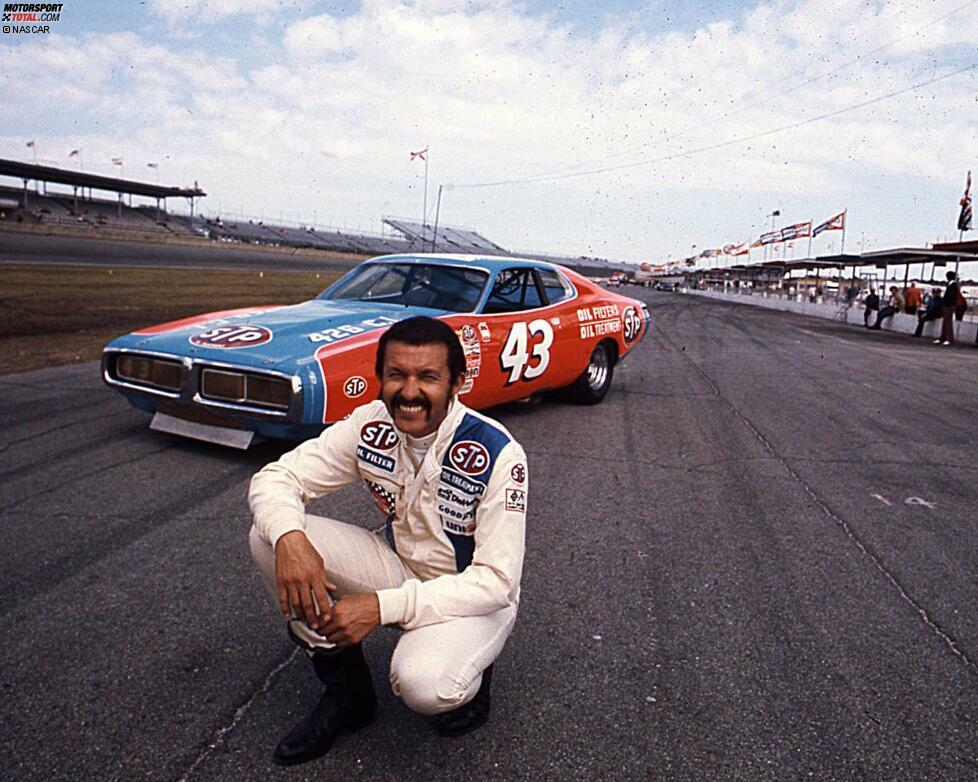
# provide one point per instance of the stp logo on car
(232, 337)
(469, 457)
(354, 386)
(379, 434)
(632, 324)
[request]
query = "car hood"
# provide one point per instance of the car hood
(269, 338)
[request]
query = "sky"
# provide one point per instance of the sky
(625, 130)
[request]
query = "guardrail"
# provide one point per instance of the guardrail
(845, 312)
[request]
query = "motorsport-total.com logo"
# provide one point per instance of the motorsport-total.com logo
(30, 18)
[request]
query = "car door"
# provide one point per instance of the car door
(519, 332)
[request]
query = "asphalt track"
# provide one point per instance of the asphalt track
(754, 561)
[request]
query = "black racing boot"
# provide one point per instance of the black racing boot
(471, 716)
(349, 703)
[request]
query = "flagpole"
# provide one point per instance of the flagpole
(424, 213)
(811, 222)
(845, 221)
(957, 260)
(434, 234)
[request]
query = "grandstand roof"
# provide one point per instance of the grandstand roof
(967, 246)
(65, 176)
(916, 255)
(821, 262)
(878, 258)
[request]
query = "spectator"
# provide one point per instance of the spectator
(912, 299)
(933, 310)
(950, 304)
(896, 305)
(960, 306)
(872, 303)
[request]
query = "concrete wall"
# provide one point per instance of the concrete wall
(964, 331)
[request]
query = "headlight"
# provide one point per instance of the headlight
(149, 371)
(227, 386)
(269, 391)
(245, 388)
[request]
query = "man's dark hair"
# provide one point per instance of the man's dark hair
(950, 275)
(421, 330)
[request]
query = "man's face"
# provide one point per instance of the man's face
(416, 386)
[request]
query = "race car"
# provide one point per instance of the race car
(527, 327)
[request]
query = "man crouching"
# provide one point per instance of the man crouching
(452, 485)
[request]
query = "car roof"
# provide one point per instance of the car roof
(493, 263)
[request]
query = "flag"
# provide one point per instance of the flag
(74, 153)
(756, 243)
(152, 165)
(796, 231)
(964, 219)
(117, 161)
(740, 249)
(835, 223)
(771, 237)
(30, 143)
(420, 154)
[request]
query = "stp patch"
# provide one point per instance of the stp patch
(379, 434)
(469, 457)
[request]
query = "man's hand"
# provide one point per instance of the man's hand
(302, 580)
(353, 618)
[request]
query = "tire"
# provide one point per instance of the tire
(594, 382)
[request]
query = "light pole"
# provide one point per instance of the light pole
(434, 233)
(776, 213)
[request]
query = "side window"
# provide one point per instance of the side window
(555, 286)
(514, 290)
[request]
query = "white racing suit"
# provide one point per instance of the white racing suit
(449, 570)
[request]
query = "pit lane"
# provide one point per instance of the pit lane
(752, 561)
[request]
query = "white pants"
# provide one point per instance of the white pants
(435, 668)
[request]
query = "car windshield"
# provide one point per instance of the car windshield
(450, 288)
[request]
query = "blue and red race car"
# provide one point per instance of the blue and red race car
(527, 327)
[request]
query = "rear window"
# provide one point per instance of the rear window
(555, 285)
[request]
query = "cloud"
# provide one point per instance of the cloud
(218, 8)
(324, 119)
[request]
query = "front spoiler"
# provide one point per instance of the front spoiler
(219, 435)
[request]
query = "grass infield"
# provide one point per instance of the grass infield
(53, 315)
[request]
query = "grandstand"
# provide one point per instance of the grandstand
(445, 238)
(44, 206)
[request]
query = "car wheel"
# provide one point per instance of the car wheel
(594, 382)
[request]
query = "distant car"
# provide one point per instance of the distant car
(527, 327)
